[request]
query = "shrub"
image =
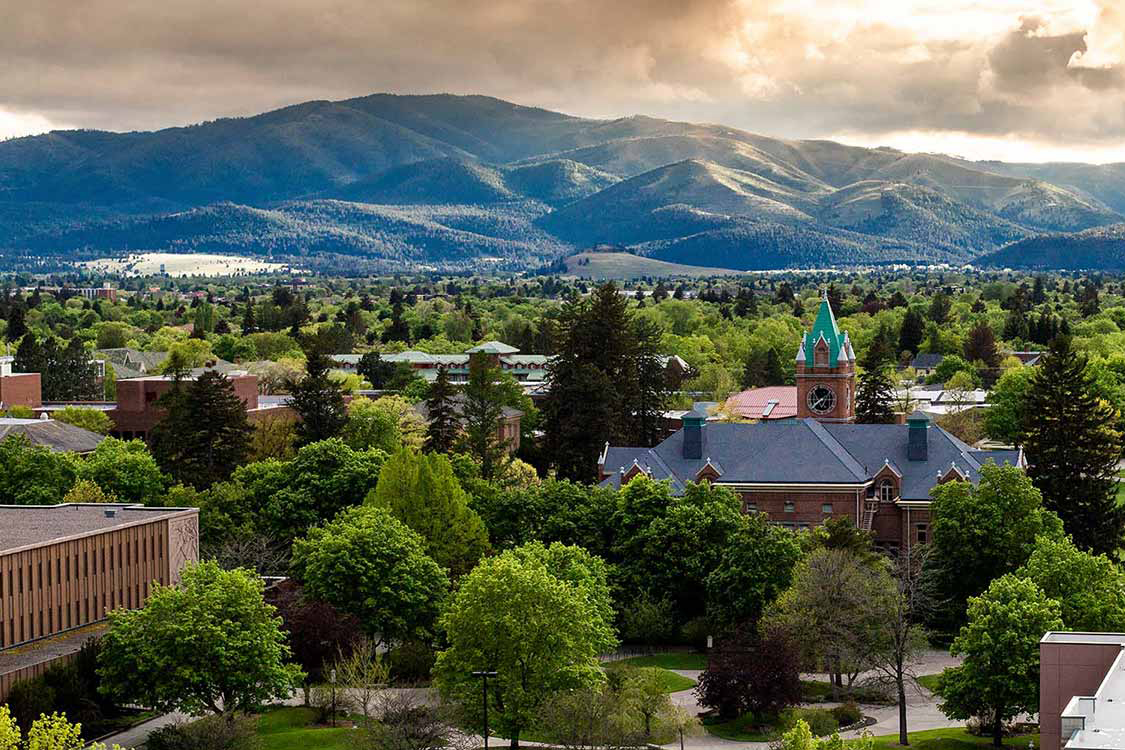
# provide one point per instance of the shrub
(29, 699)
(695, 632)
(648, 620)
(751, 673)
(847, 714)
(821, 721)
(326, 703)
(210, 733)
(411, 662)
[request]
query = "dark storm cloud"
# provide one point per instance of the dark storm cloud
(750, 63)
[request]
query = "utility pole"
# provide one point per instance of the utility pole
(484, 675)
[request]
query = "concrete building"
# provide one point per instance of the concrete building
(63, 567)
(1082, 691)
(819, 465)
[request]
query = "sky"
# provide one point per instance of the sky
(1018, 80)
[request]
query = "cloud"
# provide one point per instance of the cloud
(1048, 70)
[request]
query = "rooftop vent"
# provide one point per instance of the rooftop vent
(111, 512)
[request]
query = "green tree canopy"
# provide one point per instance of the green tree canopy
(1090, 588)
(539, 633)
(421, 491)
(93, 420)
(1004, 420)
(752, 571)
(369, 564)
(33, 475)
(208, 644)
(999, 677)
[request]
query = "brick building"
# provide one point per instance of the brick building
(63, 567)
(820, 465)
(1082, 691)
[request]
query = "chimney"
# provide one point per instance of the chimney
(693, 434)
(917, 440)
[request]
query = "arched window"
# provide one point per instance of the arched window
(887, 490)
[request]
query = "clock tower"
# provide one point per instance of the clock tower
(826, 371)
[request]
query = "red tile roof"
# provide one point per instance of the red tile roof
(774, 402)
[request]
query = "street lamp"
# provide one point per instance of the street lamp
(484, 675)
(332, 679)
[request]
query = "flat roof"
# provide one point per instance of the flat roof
(34, 525)
(1084, 638)
(1103, 713)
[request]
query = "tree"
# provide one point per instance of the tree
(17, 326)
(539, 633)
(444, 423)
(912, 332)
(1090, 588)
(209, 644)
(999, 518)
(899, 638)
(1004, 419)
(648, 620)
(644, 687)
(369, 564)
(204, 435)
(30, 356)
(316, 632)
(85, 491)
(48, 732)
(34, 475)
(421, 491)
(1073, 446)
(365, 675)
(834, 609)
(751, 672)
(940, 305)
(753, 570)
(603, 383)
(999, 677)
(763, 368)
(387, 423)
(874, 398)
(375, 370)
(317, 399)
(980, 346)
(483, 409)
(93, 420)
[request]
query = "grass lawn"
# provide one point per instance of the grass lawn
(674, 660)
(1121, 493)
(955, 738)
(673, 683)
(292, 729)
(930, 682)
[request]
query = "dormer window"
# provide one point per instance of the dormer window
(887, 490)
(820, 353)
(790, 506)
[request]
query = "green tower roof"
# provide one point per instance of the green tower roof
(825, 326)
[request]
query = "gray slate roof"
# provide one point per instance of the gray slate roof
(49, 433)
(22, 525)
(927, 361)
(804, 451)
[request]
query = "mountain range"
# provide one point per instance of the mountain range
(460, 181)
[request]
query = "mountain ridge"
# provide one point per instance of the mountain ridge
(393, 178)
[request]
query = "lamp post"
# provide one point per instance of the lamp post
(484, 675)
(332, 679)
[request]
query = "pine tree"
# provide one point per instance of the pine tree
(981, 346)
(16, 325)
(482, 411)
(940, 306)
(445, 425)
(317, 398)
(912, 332)
(29, 355)
(249, 325)
(875, 393)
(1073, 448)
(204, 435)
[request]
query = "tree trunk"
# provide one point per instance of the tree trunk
(997, 731)
(902, 738)
(515, 742)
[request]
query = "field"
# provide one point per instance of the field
(629, 266)
(955, 738)
(292, 729)
(673, 660)
(182, 264)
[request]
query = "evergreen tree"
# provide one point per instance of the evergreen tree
(204, 435)
(940, 306)
(603, 379)
(444, 425)
(912, 332)
(375, 370)
(1073, 448)
(74, 375)
(763, 368)
(875, 393)
(398, 329)
(483, 409)
(317, 398)
(249, 325)
(745, 303)
(16, 325)
(29, 355)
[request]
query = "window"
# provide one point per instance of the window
(751, 507)
(922, 532)
(887, 490)
(826, 507)
(790, 506)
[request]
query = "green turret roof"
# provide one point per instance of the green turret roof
(825, 326)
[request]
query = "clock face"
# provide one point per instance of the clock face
(821, 399)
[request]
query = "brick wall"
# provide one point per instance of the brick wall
(22, 389)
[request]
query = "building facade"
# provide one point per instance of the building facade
(801, 472)
(1082, 691)
(64, 567)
